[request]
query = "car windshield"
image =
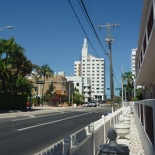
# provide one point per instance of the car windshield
(92, 102)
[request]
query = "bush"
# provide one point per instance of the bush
(12, 102)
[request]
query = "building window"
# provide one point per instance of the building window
(77, 84)
(150, 22)
(144, 44)
(139, 65)
(141, 56)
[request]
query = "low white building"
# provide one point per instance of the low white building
(78, 82)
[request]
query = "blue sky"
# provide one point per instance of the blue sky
(50, 33)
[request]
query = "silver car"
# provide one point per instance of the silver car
(92, 104)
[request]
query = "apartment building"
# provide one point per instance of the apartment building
(92, 70)
(133, 57)
(145, 57)
(77, 81)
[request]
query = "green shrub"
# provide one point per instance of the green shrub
(13, 102)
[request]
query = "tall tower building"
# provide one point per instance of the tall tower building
(133, 58)
(92, 70)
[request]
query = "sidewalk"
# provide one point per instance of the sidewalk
(134, 141)
(33, 110)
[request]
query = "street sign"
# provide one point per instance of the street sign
(40, 82)
(108, 88)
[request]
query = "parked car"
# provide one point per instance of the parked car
(92, 104)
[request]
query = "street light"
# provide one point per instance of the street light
(6, 27)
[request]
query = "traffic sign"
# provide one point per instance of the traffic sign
(40, 82)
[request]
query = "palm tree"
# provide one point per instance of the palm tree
(45, 72)
(14, 65)
(7, 47)
(5, 76)
(23, 85)
(128, 78)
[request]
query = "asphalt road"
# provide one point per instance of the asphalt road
(29, 133)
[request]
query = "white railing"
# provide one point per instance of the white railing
(87, 140)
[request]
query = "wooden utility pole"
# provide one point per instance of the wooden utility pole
(109, 40)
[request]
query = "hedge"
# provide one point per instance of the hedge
(12, 102)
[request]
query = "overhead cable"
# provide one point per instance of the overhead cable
(91, 24)
(83, 28)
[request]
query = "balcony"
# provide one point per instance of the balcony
(86, 90)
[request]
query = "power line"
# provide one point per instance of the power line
(91, 24)
(83, 28)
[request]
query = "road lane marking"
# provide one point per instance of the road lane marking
(34, 126)
(34, 116)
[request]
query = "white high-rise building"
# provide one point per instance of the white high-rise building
(133, 58)
(92, 70)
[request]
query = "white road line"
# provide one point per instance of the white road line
(34, 126)
(34, 116)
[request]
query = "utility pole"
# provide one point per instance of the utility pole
(109, 41)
